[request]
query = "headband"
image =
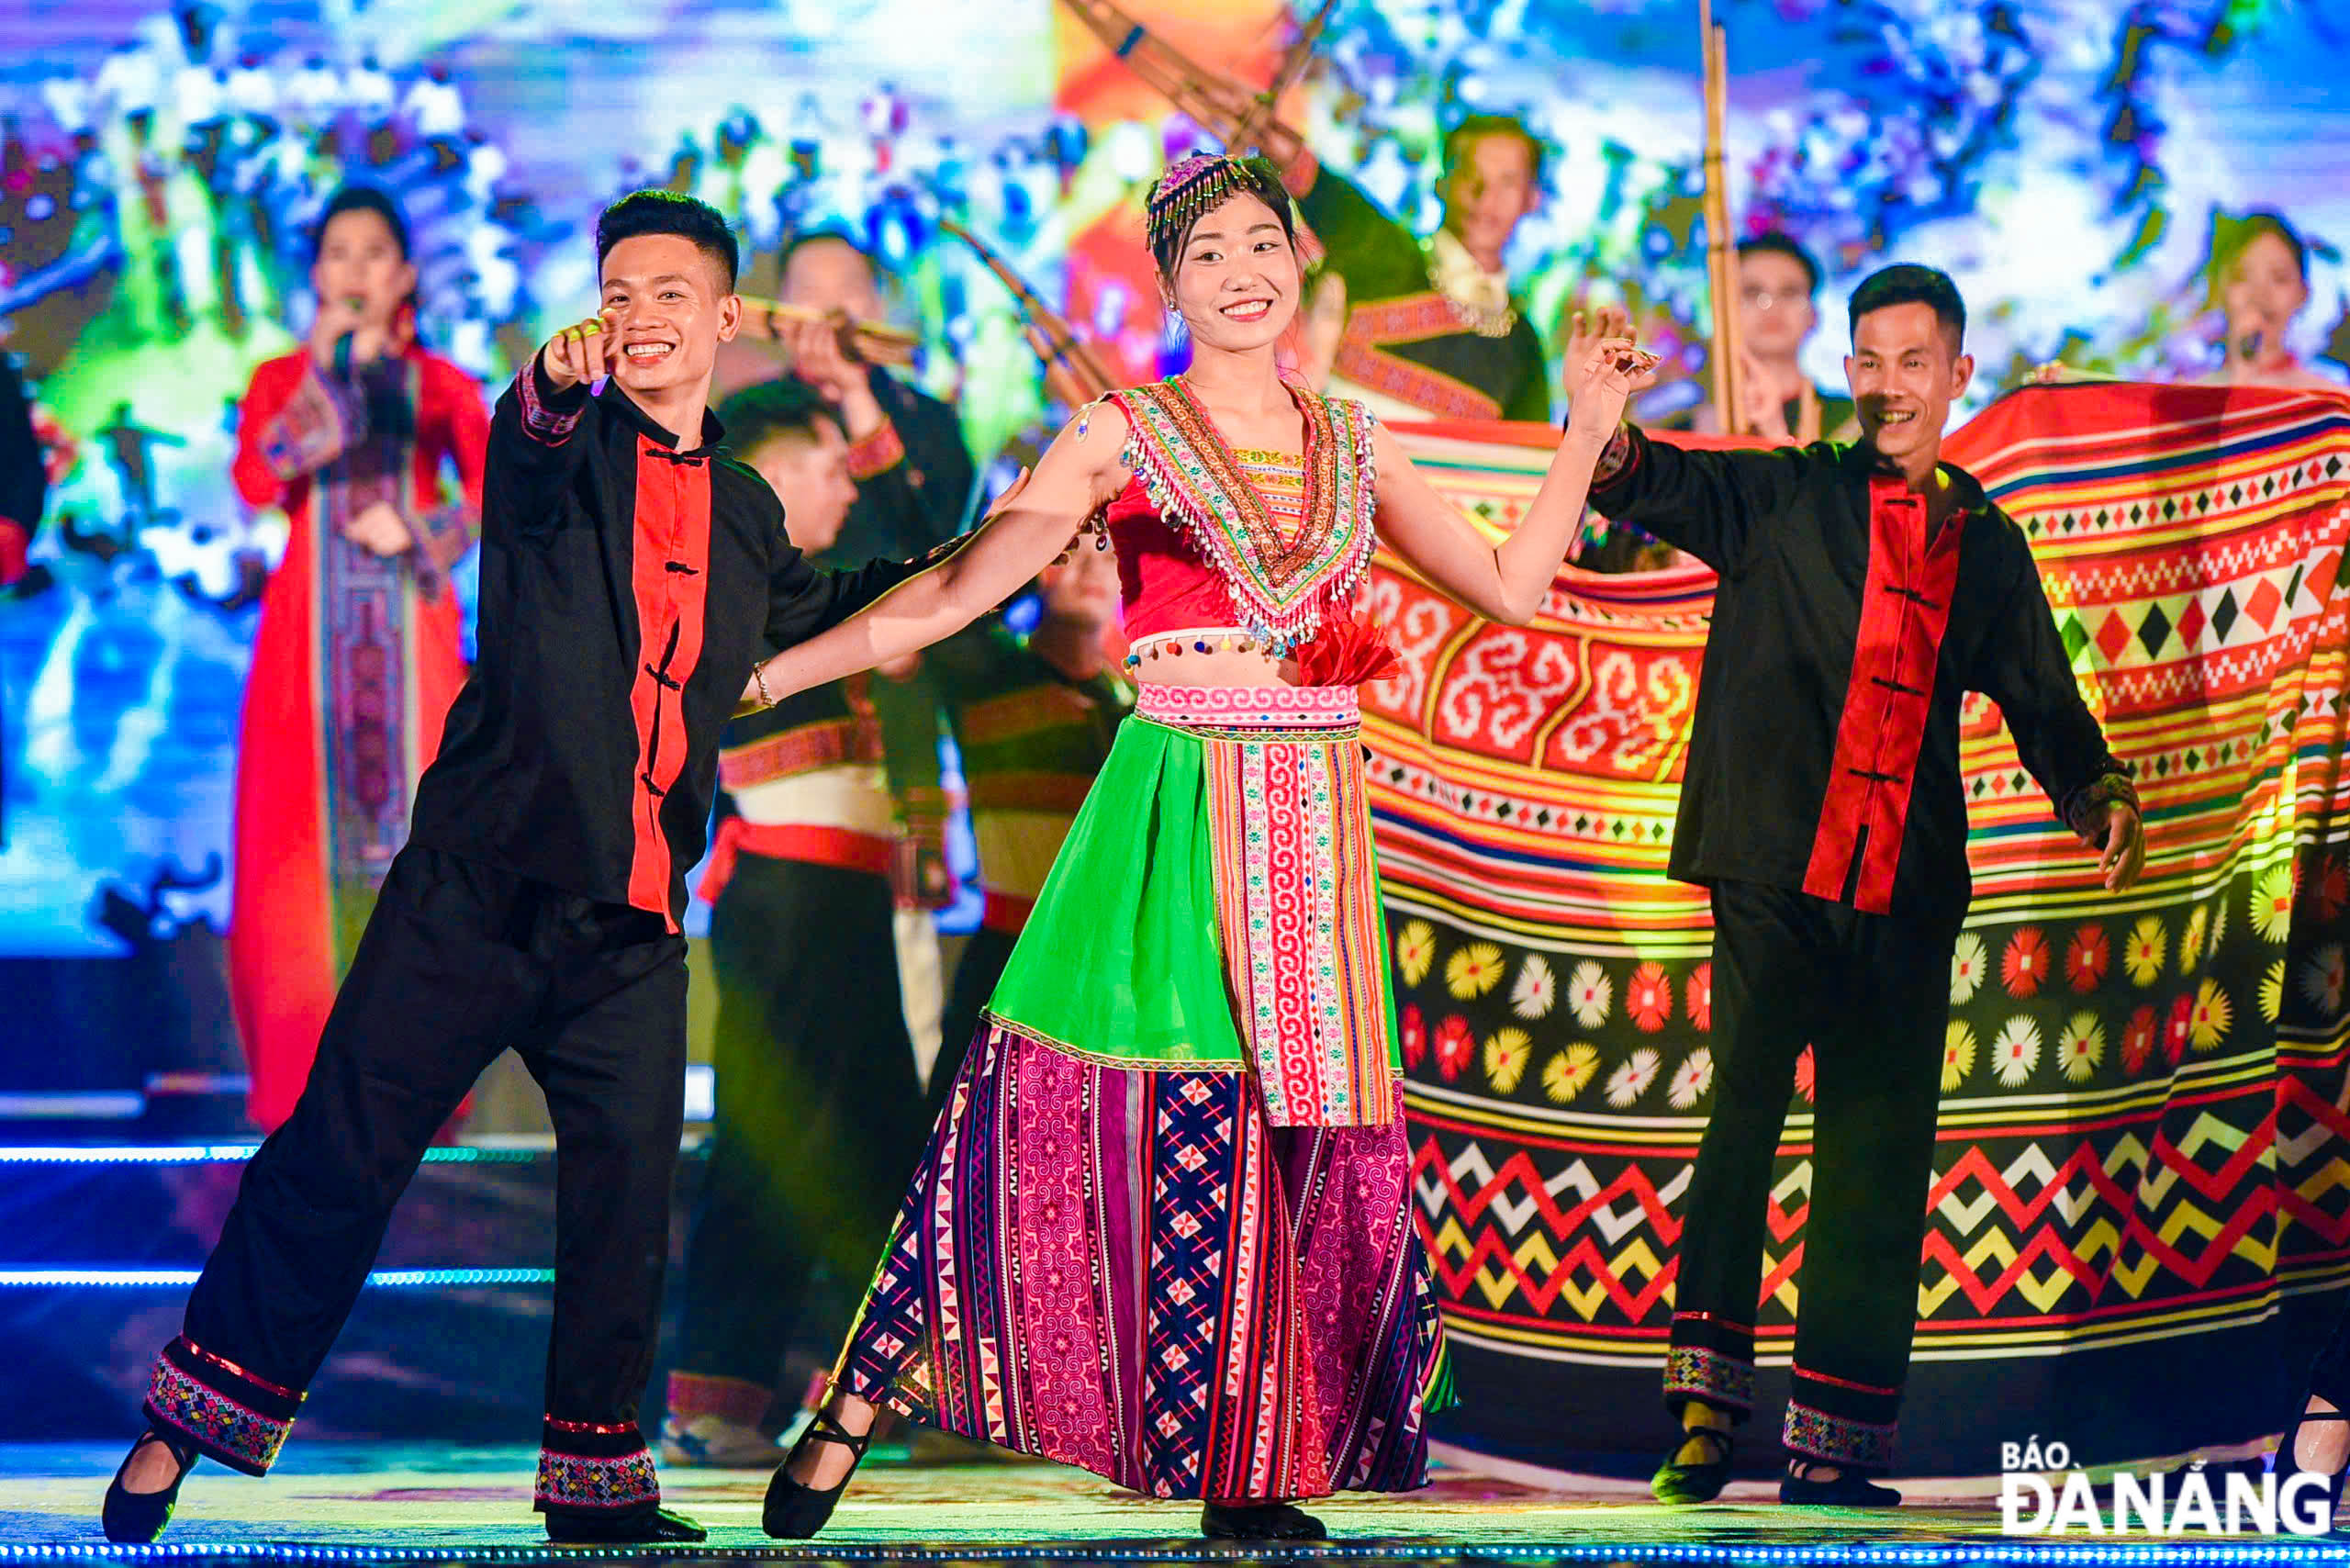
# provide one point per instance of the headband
(1190, 186)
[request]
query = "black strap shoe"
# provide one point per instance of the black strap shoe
(795, 1511)
(1680, 1484)
(1847, 1491)
(645, 1525)
(1259, 1521)
(137, 1519)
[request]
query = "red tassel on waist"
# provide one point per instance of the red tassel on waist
(1347, 652)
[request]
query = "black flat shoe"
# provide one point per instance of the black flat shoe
(2288, 1466)
(795, 1511)
(1847, 1491)
(139, 1517)
(644, 1525)
(1262, 1521)
(1683, 1483)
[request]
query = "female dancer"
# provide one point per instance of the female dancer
(357, 660)
(1162, 1229)
(2260, 280)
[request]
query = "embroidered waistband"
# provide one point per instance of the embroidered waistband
(1334, 709)
(825, 744)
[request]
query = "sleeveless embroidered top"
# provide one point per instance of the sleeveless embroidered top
(1204, 533)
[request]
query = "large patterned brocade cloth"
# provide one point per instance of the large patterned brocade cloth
(2138, 1225)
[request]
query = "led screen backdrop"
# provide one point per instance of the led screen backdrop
(2065, 159)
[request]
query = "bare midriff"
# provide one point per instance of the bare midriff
(1218, 667)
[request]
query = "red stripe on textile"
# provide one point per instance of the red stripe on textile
(843, 847)
(595, 1428)
(1809, 1375)
(669, 573)
(226, 1366)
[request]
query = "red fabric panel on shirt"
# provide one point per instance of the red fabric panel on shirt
(1162, 583)
(670, 574)
(1905, 610)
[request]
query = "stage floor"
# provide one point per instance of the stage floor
(384, 1502)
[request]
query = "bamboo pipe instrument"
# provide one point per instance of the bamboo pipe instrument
(876, 343)
(1075, 375)
(1721, 261)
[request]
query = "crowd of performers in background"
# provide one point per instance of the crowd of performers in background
(839, 1032)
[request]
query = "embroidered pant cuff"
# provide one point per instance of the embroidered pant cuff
(1711, 1360)
(1837, 1421)
(693, 1394)
(1710, 1377)
(594, 1467)
(229, 1414)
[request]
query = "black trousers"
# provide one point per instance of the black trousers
(459, 962)
(1870, 996)
(818, 1122)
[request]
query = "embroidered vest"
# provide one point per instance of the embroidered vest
(1284, 583)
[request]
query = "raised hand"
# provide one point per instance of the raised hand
(1610, 372)
(1588, 328)
(823, 356)
(338, 319)
(585, 350)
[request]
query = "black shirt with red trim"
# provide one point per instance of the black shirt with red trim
(627, 587)
(1824, 753)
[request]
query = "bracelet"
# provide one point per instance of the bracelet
(759, 678)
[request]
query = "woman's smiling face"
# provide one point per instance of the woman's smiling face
(1236, 283)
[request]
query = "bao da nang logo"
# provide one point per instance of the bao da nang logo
(2040, 1494)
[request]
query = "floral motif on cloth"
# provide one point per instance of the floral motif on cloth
(1284, 561)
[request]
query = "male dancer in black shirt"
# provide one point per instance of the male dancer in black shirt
(1864, 591)
(630, 577)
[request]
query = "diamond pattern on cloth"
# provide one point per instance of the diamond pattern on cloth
(584, 1480)
(228, 1413)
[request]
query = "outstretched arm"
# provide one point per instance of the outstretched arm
(1506, 581)
(1033, 522)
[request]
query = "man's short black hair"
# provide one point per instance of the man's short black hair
(1476, 128)
(1907, 283)
(784, 406)
(666, 212)
(1778, 242)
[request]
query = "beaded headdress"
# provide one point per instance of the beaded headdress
(1190, 186)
